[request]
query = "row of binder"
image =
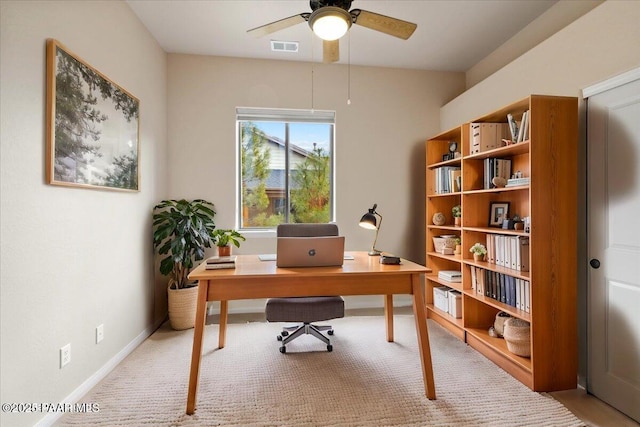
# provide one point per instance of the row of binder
(508, 251)
(501, 287)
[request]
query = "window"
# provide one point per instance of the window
(286, 166)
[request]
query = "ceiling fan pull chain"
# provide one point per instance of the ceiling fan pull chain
(349, 69)
(312, 64)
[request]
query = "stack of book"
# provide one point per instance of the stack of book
(496, 167)
(450, 275)
(514, 182)
(447, 179)
(220, 262)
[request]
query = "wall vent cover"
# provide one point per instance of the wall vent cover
(282, 46)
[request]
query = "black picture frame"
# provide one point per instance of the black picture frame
(498, 212)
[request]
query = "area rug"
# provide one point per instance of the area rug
(364, 381)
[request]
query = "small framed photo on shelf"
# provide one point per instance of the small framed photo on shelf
(498, 212)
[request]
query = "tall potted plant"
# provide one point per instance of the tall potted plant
(182, 230)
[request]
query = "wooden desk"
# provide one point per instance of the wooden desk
(364, 275)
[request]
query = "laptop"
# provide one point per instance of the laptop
(322, 251)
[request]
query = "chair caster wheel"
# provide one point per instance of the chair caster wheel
(330, 332)
(329, 347)
(283, 349)
(279, 337)
(284, 333)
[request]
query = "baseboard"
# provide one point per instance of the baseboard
(94, 379)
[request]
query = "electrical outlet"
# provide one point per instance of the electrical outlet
(99, 333)
(65, 355)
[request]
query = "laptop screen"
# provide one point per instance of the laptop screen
(323, 251)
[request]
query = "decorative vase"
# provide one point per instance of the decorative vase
(478, 257)
(182, 307)
(224, 250)
(439, 218)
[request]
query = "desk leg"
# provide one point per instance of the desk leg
(423, 336)
(222, 333)
(196, 353)
(388, 314)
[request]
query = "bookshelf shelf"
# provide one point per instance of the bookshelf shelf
(499, 345)
(507, 151)
(498, 190)
(500, 306)
(492, 230)
(457, 193)
(548, 156)
(453, 285)
(452, 162)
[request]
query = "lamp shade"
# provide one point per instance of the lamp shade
(330, 22)
(368, 221)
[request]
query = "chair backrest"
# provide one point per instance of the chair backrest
(306, 230)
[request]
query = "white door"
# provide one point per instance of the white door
(613, 140)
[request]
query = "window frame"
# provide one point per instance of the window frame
(285, 116)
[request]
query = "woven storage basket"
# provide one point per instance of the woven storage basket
(447, 241)
(182, 307)
(498, 325)
(517, 334)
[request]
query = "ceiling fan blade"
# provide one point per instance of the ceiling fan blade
(385, 24)
(330, 51)
(277, 25)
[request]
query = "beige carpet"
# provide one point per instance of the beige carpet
(365, 381)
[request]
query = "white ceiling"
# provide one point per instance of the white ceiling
(452, 35)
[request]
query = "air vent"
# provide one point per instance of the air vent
(281, 46)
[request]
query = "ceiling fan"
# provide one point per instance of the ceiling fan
(331, 19)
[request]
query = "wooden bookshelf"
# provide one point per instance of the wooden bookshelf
(548, 156)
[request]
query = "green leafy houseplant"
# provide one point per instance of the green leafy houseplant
(182, 230)
(456, 211)
(227, 238)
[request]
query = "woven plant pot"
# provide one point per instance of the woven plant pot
(182, 307)
(517, 334)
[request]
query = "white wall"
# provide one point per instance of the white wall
(379, 139)
(601, 44)
(73, 258)
(551, 21)
(598, 45)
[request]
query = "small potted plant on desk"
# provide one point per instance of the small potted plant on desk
(479, 251)
(225, 238)
(182, 230)
(456, 211)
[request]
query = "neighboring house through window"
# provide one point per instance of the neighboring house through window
(286, 166)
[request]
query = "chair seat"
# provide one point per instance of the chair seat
(304, 309)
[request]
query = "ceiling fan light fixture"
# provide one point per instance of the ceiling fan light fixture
(330, 22)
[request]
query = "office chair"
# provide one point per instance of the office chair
(305, 309)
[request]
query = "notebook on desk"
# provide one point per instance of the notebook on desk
(321, 251)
